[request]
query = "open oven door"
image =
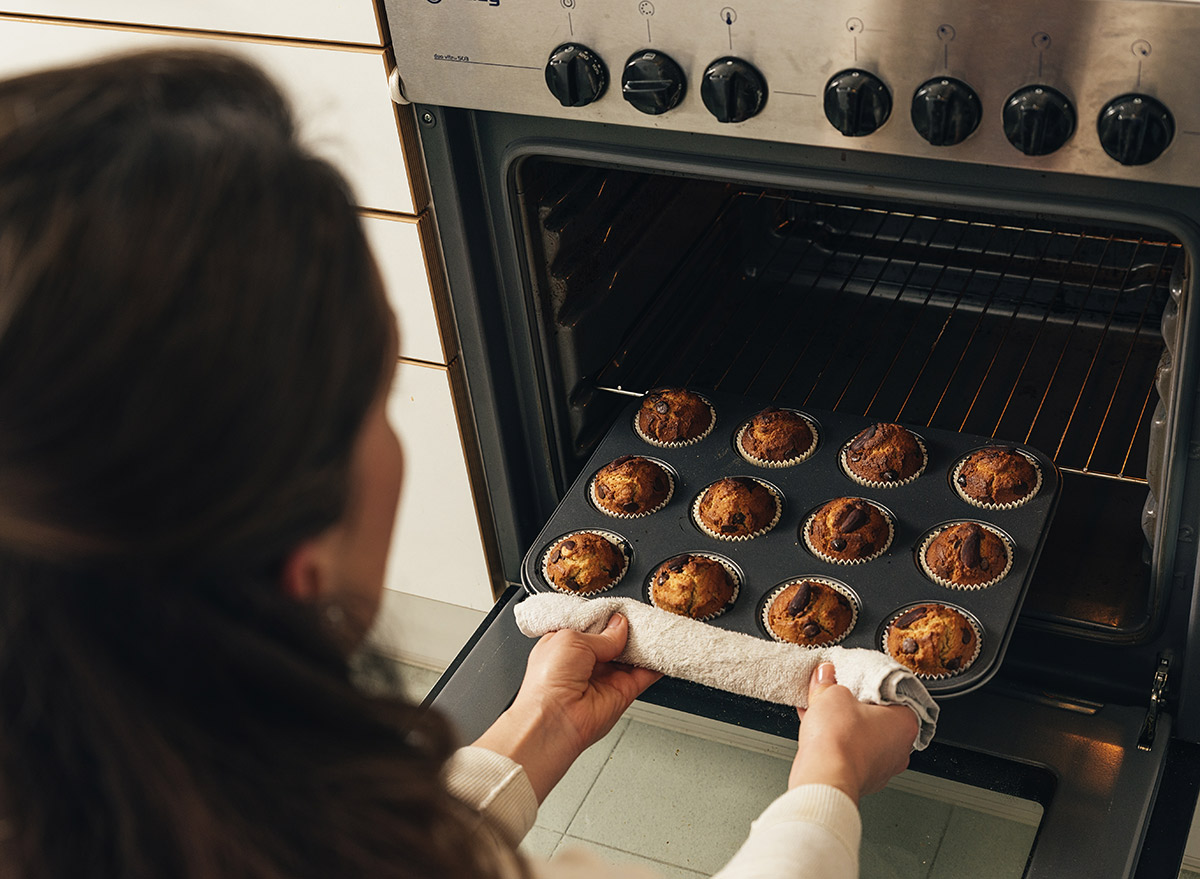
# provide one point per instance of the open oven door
(1110, 807)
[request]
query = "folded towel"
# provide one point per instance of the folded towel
(684, 648)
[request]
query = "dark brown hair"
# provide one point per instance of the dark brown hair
(191, 332)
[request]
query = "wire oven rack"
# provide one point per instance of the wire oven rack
(1042, 333)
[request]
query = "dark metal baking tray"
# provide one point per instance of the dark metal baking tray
(883, 585)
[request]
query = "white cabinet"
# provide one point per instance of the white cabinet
(399, 252)
(340, 96)
(437, 552)
(341, 21)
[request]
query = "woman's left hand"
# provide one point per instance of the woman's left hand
(572, 695)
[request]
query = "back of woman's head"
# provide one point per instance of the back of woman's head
(191, 332)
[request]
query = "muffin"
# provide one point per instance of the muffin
(584, 563)
(966, 554)
(692, 586)
(777, 437)
(933, 640)
(884, 455)
(812, 613)
(631, 486)
(997, 477)
(737, 508)
(848, 530)
(673, 416)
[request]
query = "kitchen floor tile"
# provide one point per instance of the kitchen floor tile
(901, 834)
(540, 842)
(659, 869)
(982, 846)
(678, 799)
(559, 808)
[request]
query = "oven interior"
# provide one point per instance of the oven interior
(1050, 331)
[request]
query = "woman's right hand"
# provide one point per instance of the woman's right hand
(854, 746)
(572, 695)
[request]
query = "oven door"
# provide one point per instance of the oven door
(1109, 808)
(1095, 721)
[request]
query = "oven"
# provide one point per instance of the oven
(973, 218)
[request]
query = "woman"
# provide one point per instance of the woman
(197, 482)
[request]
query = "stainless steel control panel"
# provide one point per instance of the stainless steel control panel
(1099, 87)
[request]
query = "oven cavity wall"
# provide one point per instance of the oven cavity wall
(333, 62)
(1012, 327)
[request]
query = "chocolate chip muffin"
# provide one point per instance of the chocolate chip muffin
(674, 416)
(884, 455)
(933, 640)
(812, 613)
(848, 530)
(777, 437)
(997, 477)
(737, 508)
(584, 563)
(692, 586)
(631, 486)
(966, 554)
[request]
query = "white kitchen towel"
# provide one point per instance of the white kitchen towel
(684, 648)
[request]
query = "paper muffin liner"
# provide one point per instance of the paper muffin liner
(637, 428)
(1008, 551)
(775, 493)
(871, 484)
(616, 539)
(836, 561)
(787, 462)
(734, 576)
(832, 584)
(968, 616)
(986, 506)
(670, 474)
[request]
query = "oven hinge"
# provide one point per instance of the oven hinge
(1158, 701)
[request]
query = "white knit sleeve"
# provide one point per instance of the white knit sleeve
(494, 786)
(813, 830)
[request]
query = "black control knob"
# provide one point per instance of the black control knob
(857, 102)
(946, 111)
(576, 75)
(1038, 120)
(652, 82)
(733, 90)
(1135, 129)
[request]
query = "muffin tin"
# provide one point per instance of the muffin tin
(883, 585)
